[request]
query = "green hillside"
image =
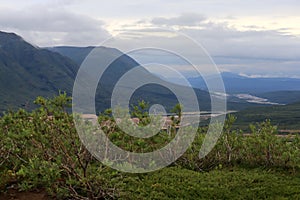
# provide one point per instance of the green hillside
(77, 54)
(284, 116)
(150, 93)
(27, 71)
(282, 97)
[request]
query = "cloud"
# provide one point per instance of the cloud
(186, 19)
(252, 52)
(221, 40)
(271, 52)
(46, 26)
(51, 23)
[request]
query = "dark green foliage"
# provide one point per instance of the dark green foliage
(263, 147)
(234, 183)
(130, 143)
(41, 149)
(140, 111)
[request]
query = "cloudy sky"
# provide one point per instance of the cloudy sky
(255, 38)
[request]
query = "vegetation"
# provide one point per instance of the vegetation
(41, 150)
(284, 116)
(282, 97)
(233, 183)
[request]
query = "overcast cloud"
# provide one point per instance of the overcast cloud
(186, 19)
(49, 26)
(254, 52)
(270, 44)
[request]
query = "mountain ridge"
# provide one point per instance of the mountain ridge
(27, 71)
(24, 70)
(235, 84)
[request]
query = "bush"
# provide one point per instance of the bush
(233, 183)
(263, 147)
(41, 149)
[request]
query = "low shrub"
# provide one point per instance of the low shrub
(41, 149)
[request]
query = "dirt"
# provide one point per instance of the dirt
(16, 195)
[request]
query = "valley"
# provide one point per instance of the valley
(149, 100)
(40, 145)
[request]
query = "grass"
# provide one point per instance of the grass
(236, 183)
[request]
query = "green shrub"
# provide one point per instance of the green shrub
(41, 149)
(233, 183)
(44, 151)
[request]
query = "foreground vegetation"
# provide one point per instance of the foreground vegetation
(41, 150)
(284, 116)
(228, 183)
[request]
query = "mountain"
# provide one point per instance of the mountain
(77, 54)
(235, 84)
(27, 71)
(150, 93)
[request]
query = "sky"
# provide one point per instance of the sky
(252, 38)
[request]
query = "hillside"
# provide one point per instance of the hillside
(77, 54)
(284, 116)
(27, 71)
(282, 97)
(155, 95)
(152, 93)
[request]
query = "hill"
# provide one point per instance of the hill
(77, 54)
(150, 93)
(284, 116)
(282, 97)
(27, 71)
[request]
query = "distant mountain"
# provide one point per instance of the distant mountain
(235, 84)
